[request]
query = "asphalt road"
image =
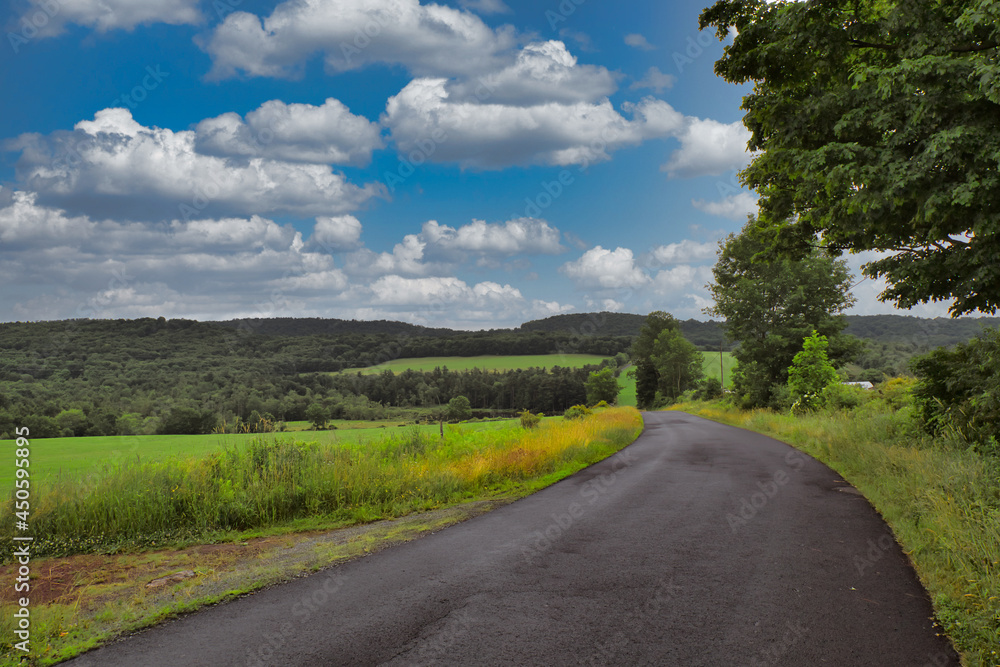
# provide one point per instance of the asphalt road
(699, 544)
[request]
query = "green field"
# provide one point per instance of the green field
(77, 457)
(712, 366)
(488, 362)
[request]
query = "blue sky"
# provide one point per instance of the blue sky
(475, 164)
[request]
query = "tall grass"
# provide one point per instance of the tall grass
(270, 480)
(941, 499)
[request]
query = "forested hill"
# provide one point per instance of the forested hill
(315, 326)
(921, 333)
(704, 335)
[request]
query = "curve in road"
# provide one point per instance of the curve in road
(699, 544)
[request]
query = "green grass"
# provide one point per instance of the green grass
(273, 479)
(488, 362)
(74, 458)
(941, 499)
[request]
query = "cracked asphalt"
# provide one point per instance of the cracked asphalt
(699, 544)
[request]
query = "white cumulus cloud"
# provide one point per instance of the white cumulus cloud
(51, 16)
(684, 251)
(114, 167)
(637, 41)
(655, 80)
(334, 233)
(329, 133)
(494, 136)
(734, 207)
(426, 39)
(709, 147)
(605, 269)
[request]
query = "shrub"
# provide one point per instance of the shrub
(577, 412)
(810, 373)
(601, 404)
(843, 396)
(529, 420)
(712, 389)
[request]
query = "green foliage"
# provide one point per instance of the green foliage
(72, 422)
(958, 392)
(679, 365)
(188, 420)
(459, 409)
(874, 123)
(711, 389)
(770, 306)
(577, 412)
(810, 373)
(529, 420)
(600, 404)
(663, 359)
(837, 396)
(318, 415)
(602, 386)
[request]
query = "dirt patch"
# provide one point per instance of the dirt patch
(92, 580)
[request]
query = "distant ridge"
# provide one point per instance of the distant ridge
(923, 332)
(317, 326)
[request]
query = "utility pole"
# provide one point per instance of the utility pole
(722, 371)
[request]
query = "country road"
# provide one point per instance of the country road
(699, 544)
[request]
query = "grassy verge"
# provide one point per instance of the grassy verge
(942, 502)
(284, 488)
(74, 458)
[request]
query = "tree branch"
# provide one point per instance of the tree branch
(863, 43)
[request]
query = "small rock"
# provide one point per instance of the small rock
(170, 579)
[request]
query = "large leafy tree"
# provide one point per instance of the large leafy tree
(876, 126)
(647, 377)
(678, 363)
(665, 362)
(602, 385)
(770, 307)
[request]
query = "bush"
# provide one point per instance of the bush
(601, 404)
(577, 412)
(843, 396)
(712, 389)
(529, 420)
(897, 392)
(810, 373)
(958, 392)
